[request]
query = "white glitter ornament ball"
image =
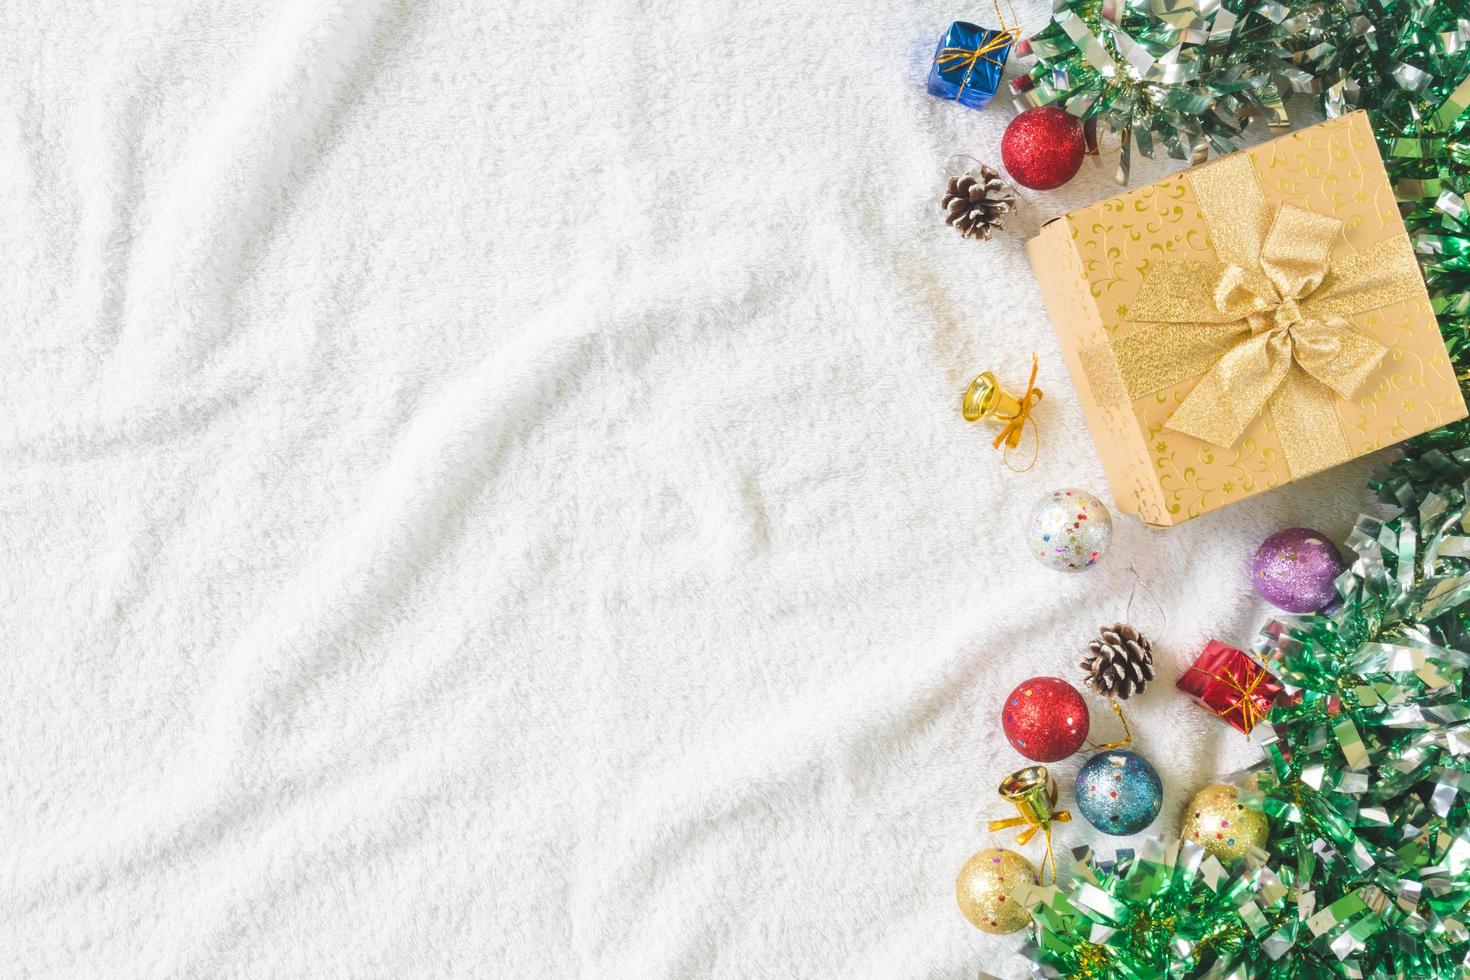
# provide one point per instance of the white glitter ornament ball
(1069, 530)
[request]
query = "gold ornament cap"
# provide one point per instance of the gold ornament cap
(1219, 822)
(985, 890)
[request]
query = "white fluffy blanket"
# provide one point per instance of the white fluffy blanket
(482, 492)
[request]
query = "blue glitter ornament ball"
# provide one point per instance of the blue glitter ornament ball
(1119, 792)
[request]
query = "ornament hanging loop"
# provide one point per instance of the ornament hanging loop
(986, 401)
(1034, 795)
(1013, 29)
(1149, 595)
(1127, 738)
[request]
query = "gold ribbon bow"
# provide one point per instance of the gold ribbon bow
(1035, 796)
(1264, 326)
(1011, 434)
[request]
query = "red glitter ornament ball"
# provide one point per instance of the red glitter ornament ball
(1045, 719)
(1042, 148)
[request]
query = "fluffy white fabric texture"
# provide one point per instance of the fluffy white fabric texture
(483, 493)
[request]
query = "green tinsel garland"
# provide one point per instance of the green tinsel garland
(1173, 75)
(1365, 782)
(1420, 69)
(1366, 779)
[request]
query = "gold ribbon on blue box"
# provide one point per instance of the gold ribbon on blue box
(1265, 326)
(968, 63)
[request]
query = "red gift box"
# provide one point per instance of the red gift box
(1231, 684)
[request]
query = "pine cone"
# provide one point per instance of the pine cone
(1120, 662)
(977, 201)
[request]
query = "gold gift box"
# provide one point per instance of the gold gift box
(1246, 322)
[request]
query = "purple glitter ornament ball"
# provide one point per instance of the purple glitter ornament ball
(1294, 570)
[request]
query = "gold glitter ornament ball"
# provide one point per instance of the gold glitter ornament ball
(1225, 826)
(984, 889)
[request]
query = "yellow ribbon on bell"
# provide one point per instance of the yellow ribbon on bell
(986, 400)
(1034, 794)
(1265, 325)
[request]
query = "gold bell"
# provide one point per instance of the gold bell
(1033, 792)
(986, 399)
(1034, 795)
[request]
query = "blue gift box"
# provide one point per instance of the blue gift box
(968, 63)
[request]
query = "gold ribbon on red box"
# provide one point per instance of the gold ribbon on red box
(1232, 685)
